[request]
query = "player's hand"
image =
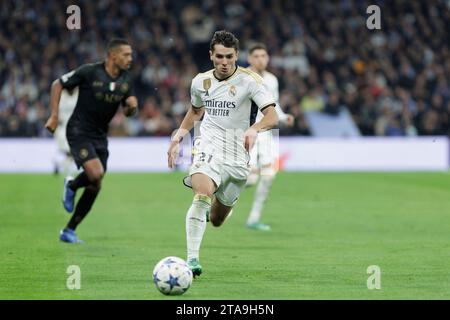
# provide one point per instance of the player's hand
(130, 107)
(51, 124)
(129, 111)
(290, 120)
(172, 154)
(249, 138)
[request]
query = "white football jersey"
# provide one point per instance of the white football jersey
(272, 84)
(229, 111)
(66, 106)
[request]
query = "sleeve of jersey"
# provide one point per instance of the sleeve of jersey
(261, 95)
(281, 115)
(275, 92)
(74, 78)
(196, 99)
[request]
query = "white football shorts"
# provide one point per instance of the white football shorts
(263, 153)
(229, 178)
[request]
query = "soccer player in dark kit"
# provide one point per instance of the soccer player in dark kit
(103, 87)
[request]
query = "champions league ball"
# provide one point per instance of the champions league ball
(172, 276)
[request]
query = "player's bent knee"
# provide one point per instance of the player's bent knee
(216, 221)
(203, 190)
(96, 176)
(205, 196)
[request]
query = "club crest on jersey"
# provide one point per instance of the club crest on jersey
(112, 86)
(124, 87)
(207, 85)
(232, 91)
(84, 153)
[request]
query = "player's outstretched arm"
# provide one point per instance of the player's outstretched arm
(194, 114)
(285, 119)
(289, 120)
(55, 96)
(269, 121)
(131, 106)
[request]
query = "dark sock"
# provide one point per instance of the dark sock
(80, 181)
(84, 205)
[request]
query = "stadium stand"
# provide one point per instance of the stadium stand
(394, 81)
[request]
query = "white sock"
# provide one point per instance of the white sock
(196, 224)
(262, 190)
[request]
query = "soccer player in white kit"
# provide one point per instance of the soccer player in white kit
(264, 153)
(228, 97)
(65, 163)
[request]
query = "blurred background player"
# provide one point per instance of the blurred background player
(227, 134)
(263, 156)
(103, 87)
(64, 162)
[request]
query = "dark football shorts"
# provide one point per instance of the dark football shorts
(84, 149)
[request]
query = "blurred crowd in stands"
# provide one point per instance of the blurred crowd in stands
(394, 81)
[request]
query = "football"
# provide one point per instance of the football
(172, 276)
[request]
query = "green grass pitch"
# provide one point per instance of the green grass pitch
(327, 229)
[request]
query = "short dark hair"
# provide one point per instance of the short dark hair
(257, 46)
(225, 38)
(115, 43)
